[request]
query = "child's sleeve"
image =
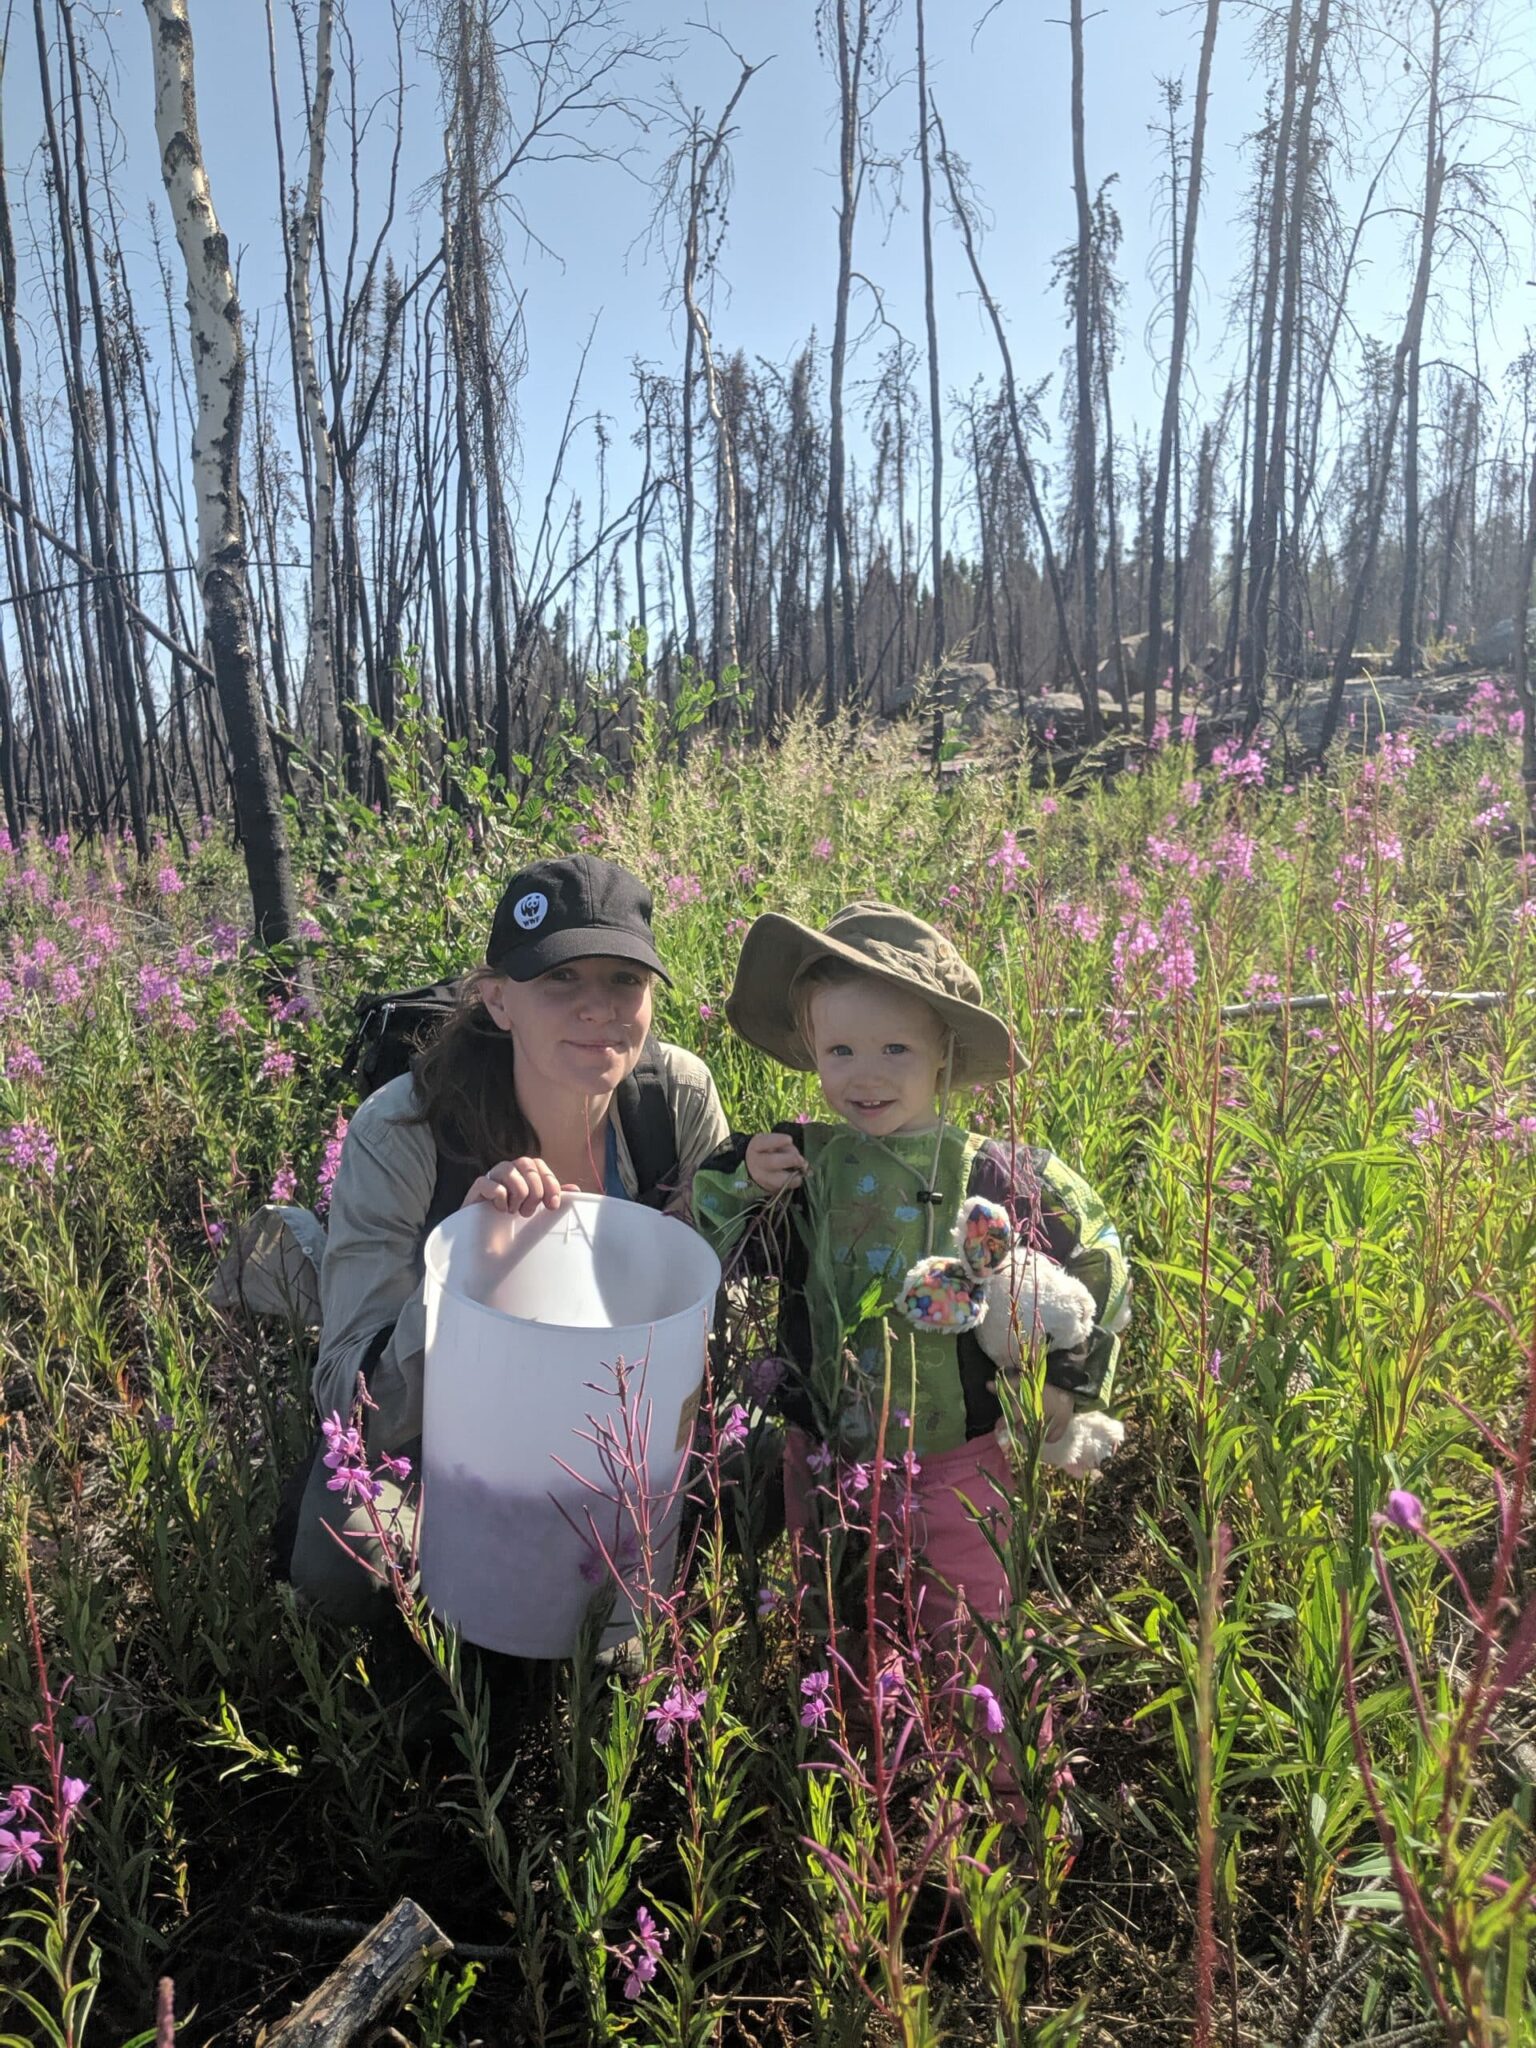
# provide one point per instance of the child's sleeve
(733, 1214)
(1055, 1211)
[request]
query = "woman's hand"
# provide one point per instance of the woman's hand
(520, 1187)
(775, 1162)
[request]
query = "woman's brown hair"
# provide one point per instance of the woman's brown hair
(465, 1088)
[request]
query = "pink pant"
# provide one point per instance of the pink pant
(955, 1499)
(957, 1496)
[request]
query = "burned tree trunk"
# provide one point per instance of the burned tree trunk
(854, 33)
(218, 349)
(1434, 179)
(1265, 398)
(935, 405)
(1523, 594)
(1086, 686)
(708, 183)
(1086, 462)
(1168, 439)
(1376, 503)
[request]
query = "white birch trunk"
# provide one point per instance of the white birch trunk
(218, 361)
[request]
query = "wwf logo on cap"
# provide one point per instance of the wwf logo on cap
(574, 908)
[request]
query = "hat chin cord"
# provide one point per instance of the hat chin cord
(928, 1195)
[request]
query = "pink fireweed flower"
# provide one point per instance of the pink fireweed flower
(284, 1183)
(1402, 969)
(1234, 853)
(216, 1232)
(889, 1681)
(158, 992)
(1080, 919)
(822, 850)
(330, 1164)
(814, 1691)
(355, 1483)
(343, 1441)
(1171, 853)
(23, 1064)
(991, 1712)
(733, 1431)
(398, 1469)
(276, 1064)
(17, 1803)
(639, 1956)
(683, 889)
(229, 1023)
(1405, 1511)
(1010, 860)
(676, 1713)
(71, 1792)
(852, 1481)
(1179, 968)
(168, 882)
(1428, 1125)
(19, 1851)
(1245, 768)
(296, 1010)
(30, 1150)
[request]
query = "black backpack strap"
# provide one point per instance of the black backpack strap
(650, 1132)
(455, 1178)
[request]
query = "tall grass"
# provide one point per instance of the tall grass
(1268, 1744)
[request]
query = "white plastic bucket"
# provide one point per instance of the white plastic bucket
(527, 1321)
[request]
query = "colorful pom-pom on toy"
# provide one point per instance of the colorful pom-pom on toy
(940, 1294)
(984, 1236)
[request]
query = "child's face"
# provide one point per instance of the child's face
(878, 1055)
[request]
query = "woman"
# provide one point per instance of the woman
(519, 1101)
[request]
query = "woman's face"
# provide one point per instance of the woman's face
(577, 1030)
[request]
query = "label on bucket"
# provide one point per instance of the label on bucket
(689, 1416)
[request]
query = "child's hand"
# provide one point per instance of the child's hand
(775, 1162)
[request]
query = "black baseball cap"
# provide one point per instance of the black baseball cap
(574, 909)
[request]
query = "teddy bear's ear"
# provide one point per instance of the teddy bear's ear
(939, 1294)
(984, 1236)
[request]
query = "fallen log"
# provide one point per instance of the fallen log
(385, 1967)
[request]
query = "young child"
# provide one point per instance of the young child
(889, 1016)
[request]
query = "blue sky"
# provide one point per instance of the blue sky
(1003, 91)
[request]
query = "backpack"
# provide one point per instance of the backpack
(392, 1029)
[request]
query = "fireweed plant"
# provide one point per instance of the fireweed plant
(1247, 1760)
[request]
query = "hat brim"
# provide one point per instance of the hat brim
(777, 949)
(579, 942)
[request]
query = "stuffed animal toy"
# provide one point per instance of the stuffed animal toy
(1013, 1299)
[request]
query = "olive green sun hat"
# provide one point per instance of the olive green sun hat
(890, 944)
